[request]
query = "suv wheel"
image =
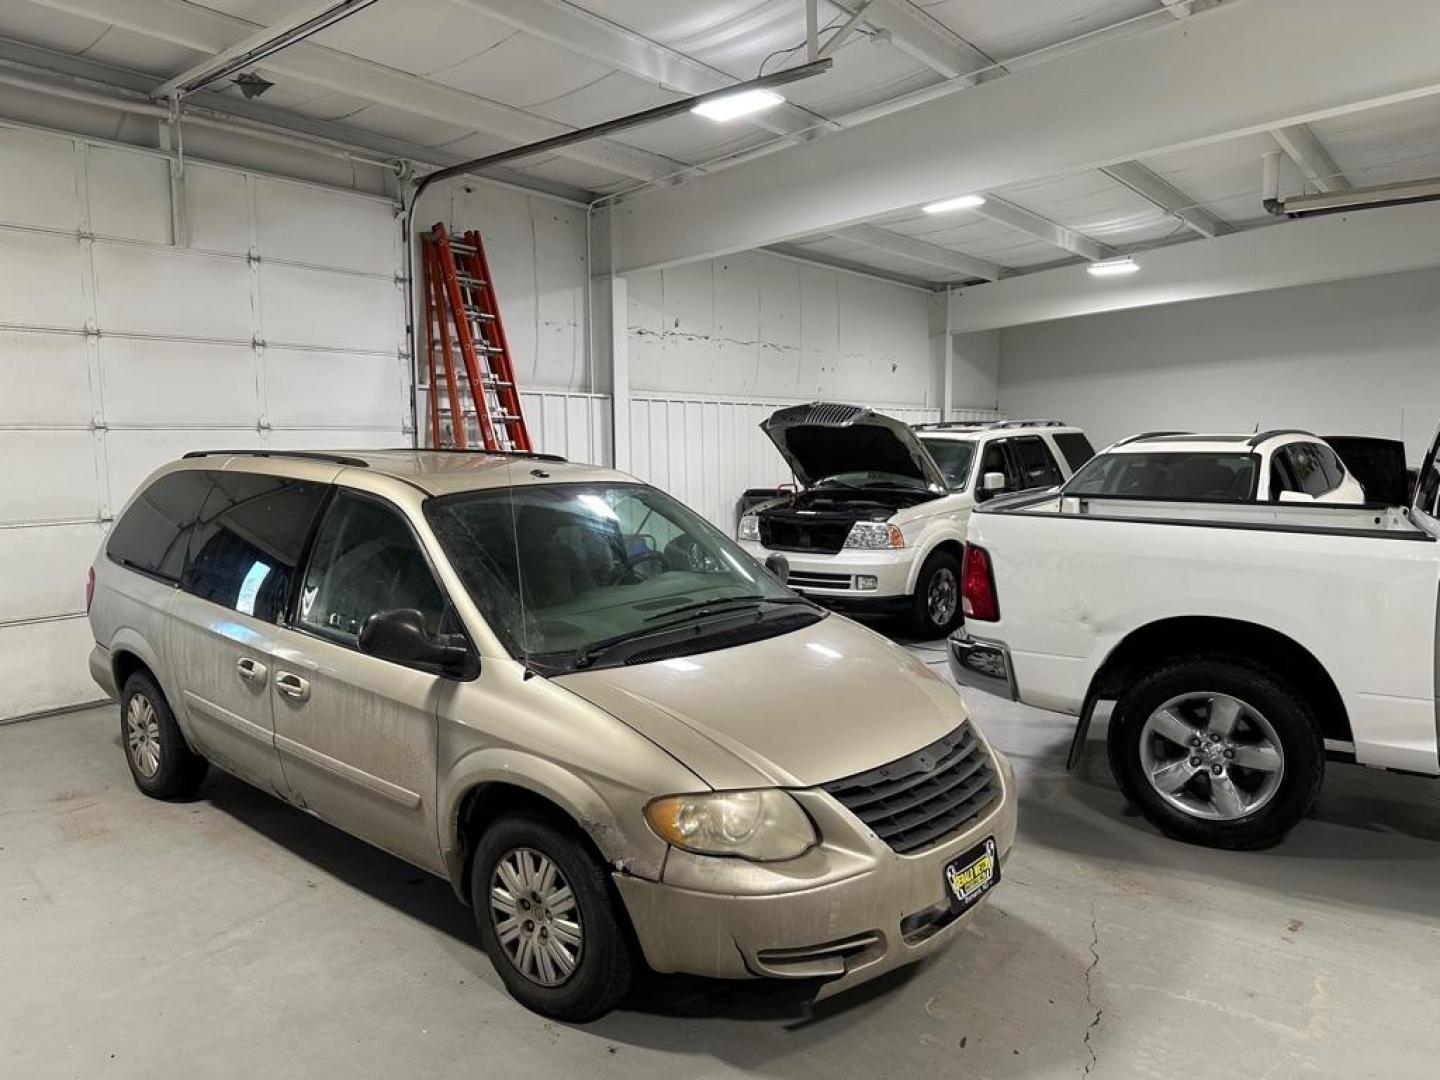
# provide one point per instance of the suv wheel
(163, 766)
(935, 608)
(548, 920)
(1216, 752)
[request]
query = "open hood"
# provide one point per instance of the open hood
(824, 439)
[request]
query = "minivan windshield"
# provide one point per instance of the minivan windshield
(1224, 476)
(563, 572)
(954, 457)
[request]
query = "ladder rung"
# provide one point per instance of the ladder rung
(461, 246)
(466, 279)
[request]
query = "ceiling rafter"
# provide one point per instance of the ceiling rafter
(209, 31)
(921, 36)
(578, 31)
(1307, 152)
(1158, 191)
(922, 251)
(1043, 229)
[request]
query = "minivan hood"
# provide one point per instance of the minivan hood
(824, 702)
(824, 439)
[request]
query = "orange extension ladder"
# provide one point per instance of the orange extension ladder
(460, 303)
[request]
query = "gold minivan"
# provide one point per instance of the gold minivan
(618, 736)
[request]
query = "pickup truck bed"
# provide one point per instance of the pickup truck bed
(1332, 608)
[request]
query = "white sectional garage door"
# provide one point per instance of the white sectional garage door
(279, 322)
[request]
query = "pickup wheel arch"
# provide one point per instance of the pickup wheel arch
(1154, 644)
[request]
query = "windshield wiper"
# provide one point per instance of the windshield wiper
(724, 601)
(586, 656)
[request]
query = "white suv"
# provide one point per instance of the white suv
(1267, 466)
(879, 526)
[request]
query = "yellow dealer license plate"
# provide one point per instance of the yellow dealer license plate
(972, 875)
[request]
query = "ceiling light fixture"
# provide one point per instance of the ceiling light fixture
(960, 202)
(741, 103)
(1112, 267)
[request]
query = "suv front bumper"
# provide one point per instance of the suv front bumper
(887, 910)
(832, 579)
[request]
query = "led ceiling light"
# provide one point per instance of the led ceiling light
(960, 202)
(733, 106)
(1111, 267)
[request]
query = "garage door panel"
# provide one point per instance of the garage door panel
(320, 228)
(45, 664)
(133, 455)
(301, 388)
(40, 280)
(38, 180)
(178, 383)
(337, 439)
(217, 210)
(340, 311)
(160, 291)
(48, 476)
(42, 569)
(48, 379)
(129, 195)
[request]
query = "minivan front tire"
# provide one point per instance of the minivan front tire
(161, 763)
(548, 919)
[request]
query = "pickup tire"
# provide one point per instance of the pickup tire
(552, 930)
(1182, 740)
(935, 607)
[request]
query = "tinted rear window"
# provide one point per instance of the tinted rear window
(1076, 448)
(153, 534)
(250, 536)
(1226, 477)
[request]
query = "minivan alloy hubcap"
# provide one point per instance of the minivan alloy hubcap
(1211, 756)
(943, 595)
(535, 916)
(142, 735)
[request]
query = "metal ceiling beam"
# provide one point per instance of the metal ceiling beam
(922, 251)
(801, 254)
(1125, 100)
(1334, 247)
(203, 30)
(1043, 229)
(1159, 191)
(263, 43)
(578, 31)
(921, 36)
(1303, 148)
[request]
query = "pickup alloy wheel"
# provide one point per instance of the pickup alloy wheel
(1217, 750)
(1212, 755)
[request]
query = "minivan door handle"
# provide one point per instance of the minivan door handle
(250, 669)
(293, 686)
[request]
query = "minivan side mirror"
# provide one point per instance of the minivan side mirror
(399, 635)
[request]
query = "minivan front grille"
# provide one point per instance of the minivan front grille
(923, 797)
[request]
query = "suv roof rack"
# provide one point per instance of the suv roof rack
(953, 425)
(308, 455)
(1261, 436)
(1027, 423)
(1150, 435)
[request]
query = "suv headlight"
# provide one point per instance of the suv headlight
(749, 528)
(875, 534)
(763, 826)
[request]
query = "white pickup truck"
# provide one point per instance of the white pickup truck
(1241, 643)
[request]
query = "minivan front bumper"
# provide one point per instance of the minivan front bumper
(886, 911)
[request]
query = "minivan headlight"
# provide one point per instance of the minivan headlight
(874, 534)
(763, 826)
(749, 528)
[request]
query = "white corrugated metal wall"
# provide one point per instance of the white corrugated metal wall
(120, 349)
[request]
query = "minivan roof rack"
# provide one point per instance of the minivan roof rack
(536, 454)
(308, 455)
(1261, 436)
(1150, 435)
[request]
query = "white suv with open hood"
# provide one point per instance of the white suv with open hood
(879, 525)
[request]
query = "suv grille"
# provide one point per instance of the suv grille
(807, 532)
(923, 797)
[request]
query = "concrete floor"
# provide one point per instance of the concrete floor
(236, 937)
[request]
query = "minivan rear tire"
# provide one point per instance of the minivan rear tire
(161, 762)
(604, 967)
